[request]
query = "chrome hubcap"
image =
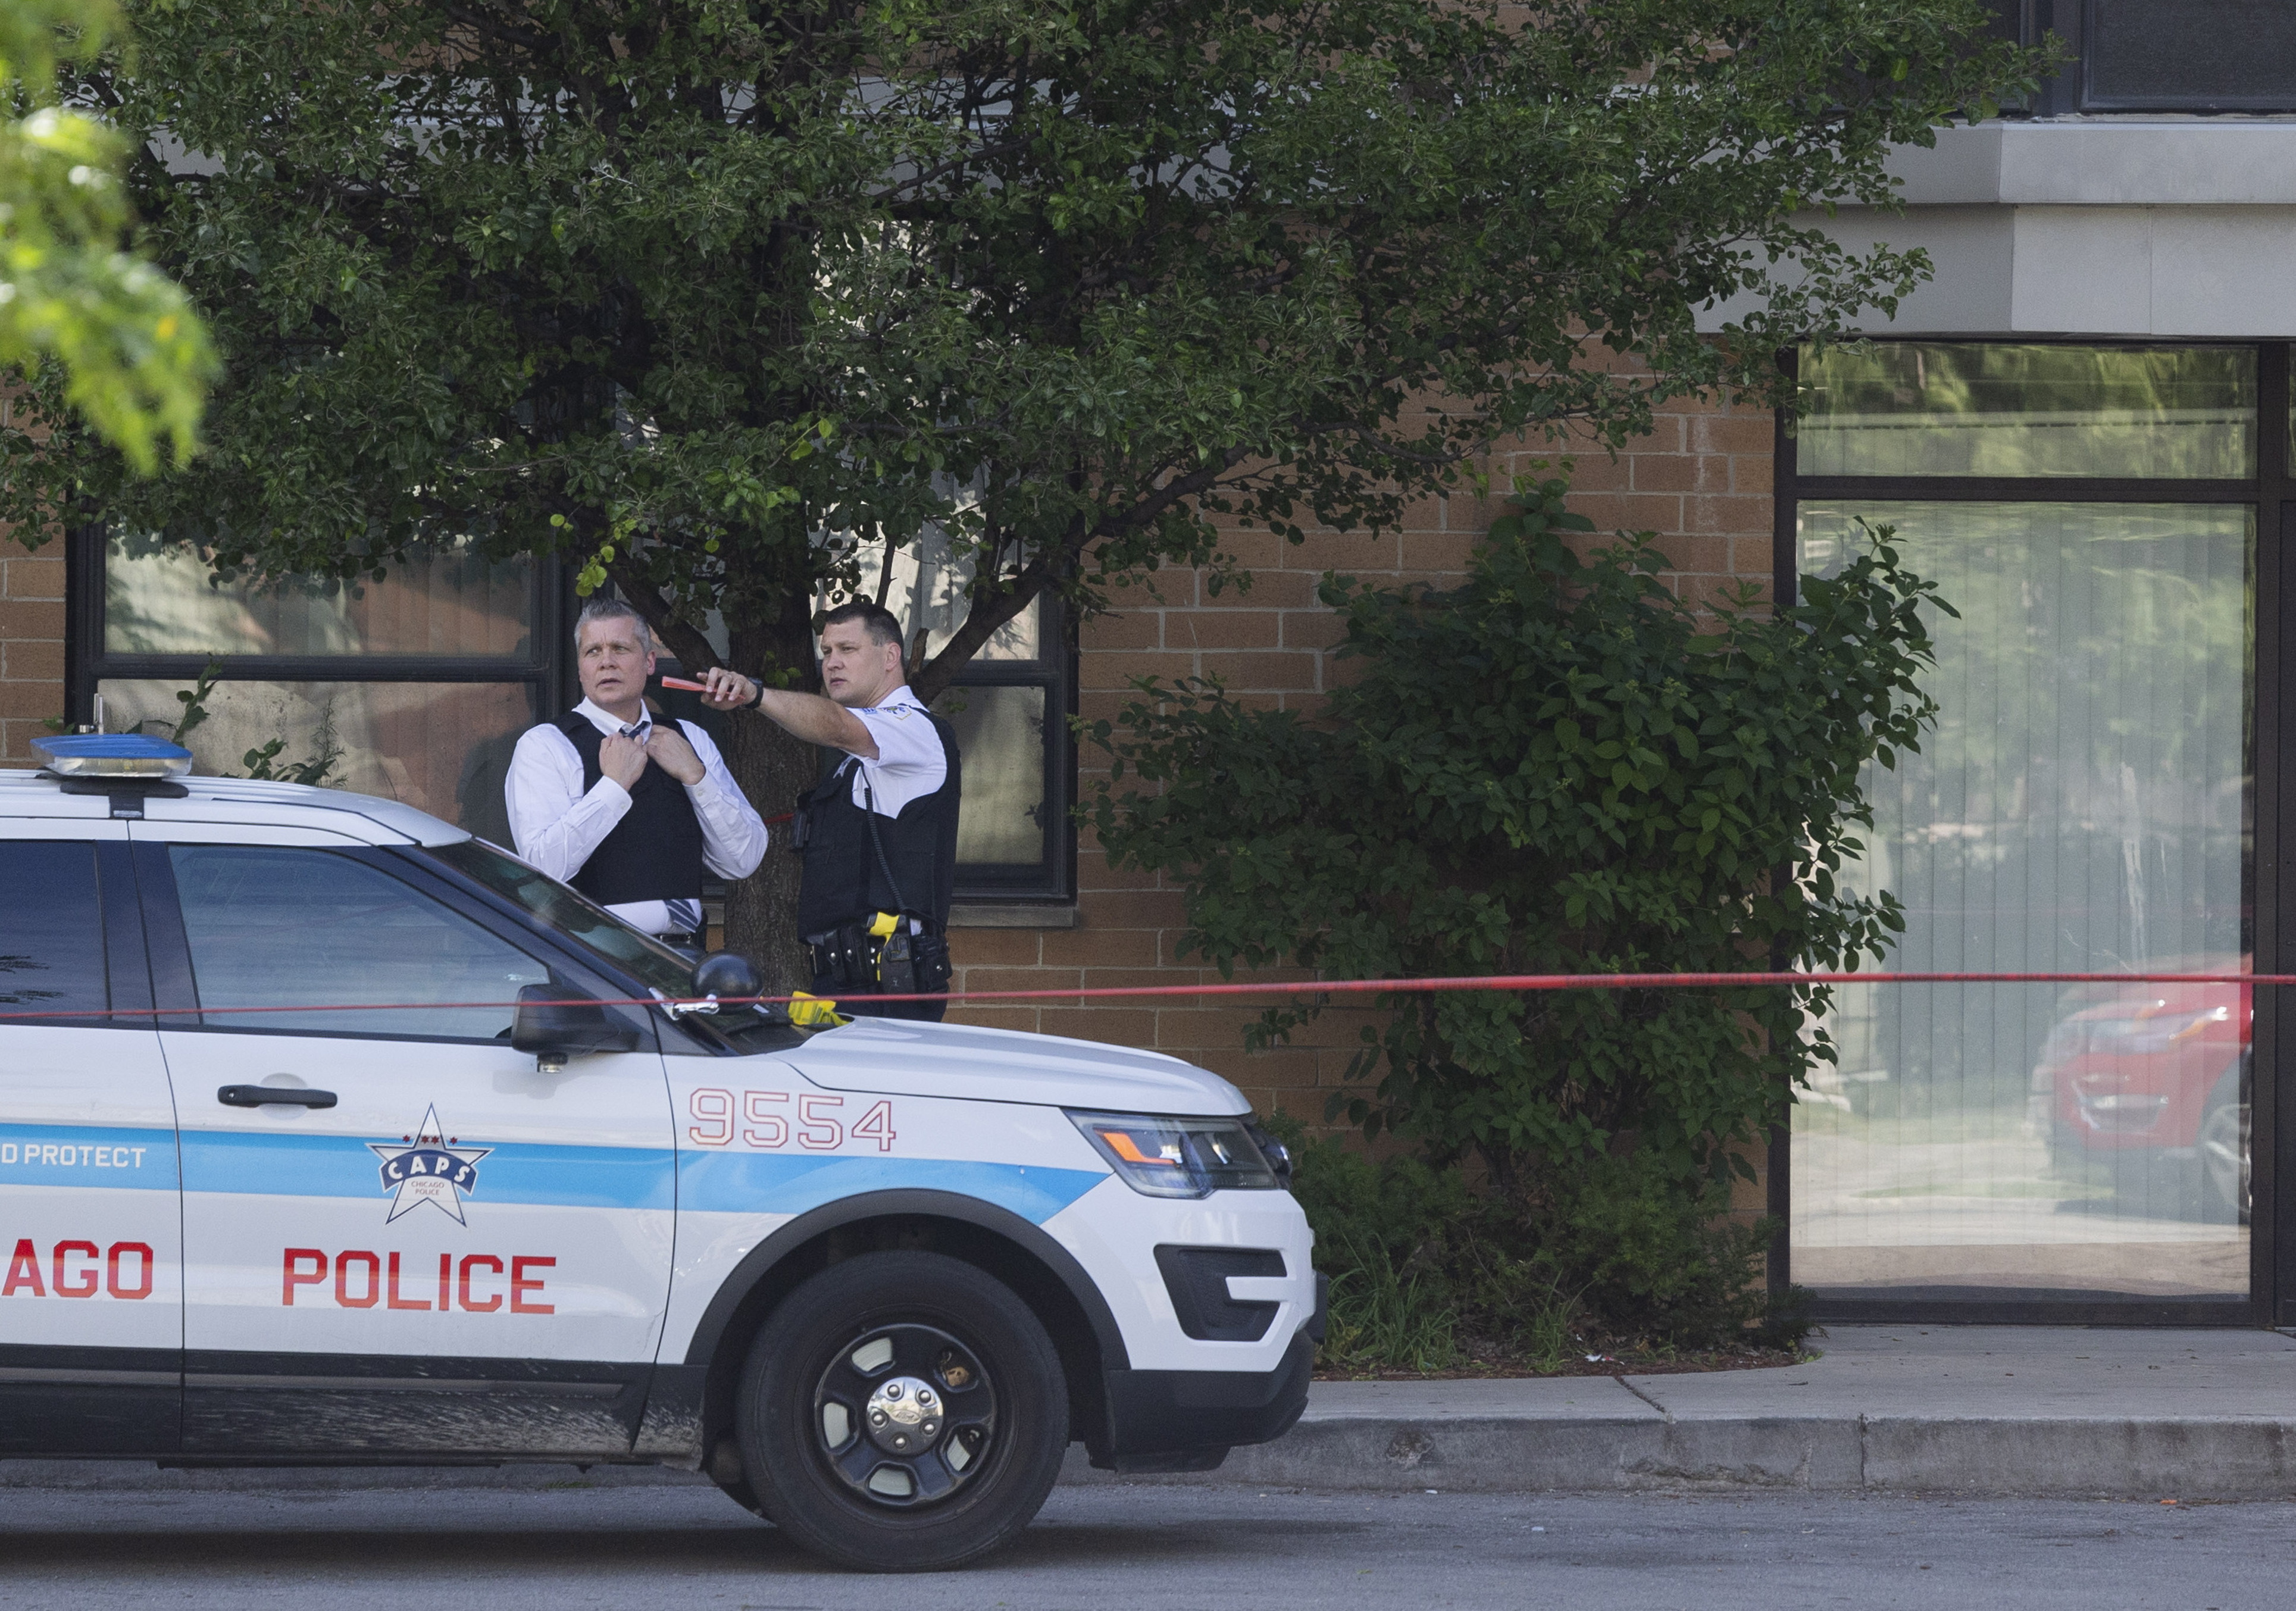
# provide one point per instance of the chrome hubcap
(904, 1416)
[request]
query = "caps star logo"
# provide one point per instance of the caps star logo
(429, 1169)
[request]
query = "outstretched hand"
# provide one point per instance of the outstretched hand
(725, 690)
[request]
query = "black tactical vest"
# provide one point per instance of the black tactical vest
(654, 852)
(846, 879)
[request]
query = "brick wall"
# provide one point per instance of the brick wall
(31, 646)
(1701, 481)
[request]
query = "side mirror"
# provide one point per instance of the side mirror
(547, 1027)
(726, 975)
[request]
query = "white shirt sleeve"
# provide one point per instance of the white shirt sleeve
(733, 834)
(553, 823)
(910, 762)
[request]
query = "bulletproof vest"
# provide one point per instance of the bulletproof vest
(846, 879)
(654, 852)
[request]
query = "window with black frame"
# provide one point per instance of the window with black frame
(414, 688)
(417, 686)
(2189, 55)
(2161, 55)
(1009, 710)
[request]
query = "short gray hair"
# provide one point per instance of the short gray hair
(613, 608)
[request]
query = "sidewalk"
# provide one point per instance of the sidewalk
(2039, 1412)
(2030, 1410)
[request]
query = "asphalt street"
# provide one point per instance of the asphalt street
(1141, 1548)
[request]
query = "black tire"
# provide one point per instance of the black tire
(870, 1324)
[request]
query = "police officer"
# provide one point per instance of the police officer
(627, 809)
(879, 834)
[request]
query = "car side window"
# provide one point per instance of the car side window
(51, 929)
(278, 926)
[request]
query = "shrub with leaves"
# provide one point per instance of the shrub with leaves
(1559, 767)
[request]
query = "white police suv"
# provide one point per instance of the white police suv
(305, 1159)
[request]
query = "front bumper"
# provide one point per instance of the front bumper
(1187, 1420)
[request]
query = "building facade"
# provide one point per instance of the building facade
(2081, 428)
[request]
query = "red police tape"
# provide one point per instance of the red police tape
(1305, 987)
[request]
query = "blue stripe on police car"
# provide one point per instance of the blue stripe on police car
(88, 1156)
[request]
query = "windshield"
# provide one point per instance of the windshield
(587, 924)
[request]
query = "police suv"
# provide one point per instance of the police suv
(315, 1148)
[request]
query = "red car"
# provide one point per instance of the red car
(2152, 1082)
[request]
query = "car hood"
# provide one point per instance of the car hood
(902, 1058)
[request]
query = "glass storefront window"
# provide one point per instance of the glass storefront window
(2084, 805)
(1933, 408)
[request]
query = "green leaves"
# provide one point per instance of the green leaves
(1081, 285)
(128, 356)
(1557, 766)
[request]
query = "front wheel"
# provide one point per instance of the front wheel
(902, 1412)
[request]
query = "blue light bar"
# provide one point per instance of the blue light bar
(110, 755)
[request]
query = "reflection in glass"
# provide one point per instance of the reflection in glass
(276, 925)
(443, 748)
(2084, 806)
(928, 590)
(1000, 737)
(51, 927)
(163, 599)
(1920, 409)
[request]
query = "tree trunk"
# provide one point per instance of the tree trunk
(773, 768)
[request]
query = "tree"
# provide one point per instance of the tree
(1557, 768)
(712, 295)
(125, 351)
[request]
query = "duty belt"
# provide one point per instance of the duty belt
(883, 957)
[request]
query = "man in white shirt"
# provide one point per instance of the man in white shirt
(880, 832)
(627, 809)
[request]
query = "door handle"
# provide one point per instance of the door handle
(257, 1096)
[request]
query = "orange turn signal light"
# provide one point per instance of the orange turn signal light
(1126, 1148)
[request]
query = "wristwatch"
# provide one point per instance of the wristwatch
(758, 704)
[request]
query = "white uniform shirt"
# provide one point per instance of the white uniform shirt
(910, 762)
(557, 826)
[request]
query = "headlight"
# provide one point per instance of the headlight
(1178, 1157)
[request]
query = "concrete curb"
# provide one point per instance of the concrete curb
(2032, 1458)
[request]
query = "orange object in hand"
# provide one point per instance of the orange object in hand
(680, 682)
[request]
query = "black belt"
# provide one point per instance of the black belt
(686, 941)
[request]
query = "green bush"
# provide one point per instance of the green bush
(1429, 1273)
(1558, 767)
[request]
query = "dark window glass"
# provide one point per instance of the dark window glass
(2234, 55)
(571, 914)
(51, 928)
(272, 926)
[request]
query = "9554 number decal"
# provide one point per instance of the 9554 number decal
(770, 1120)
